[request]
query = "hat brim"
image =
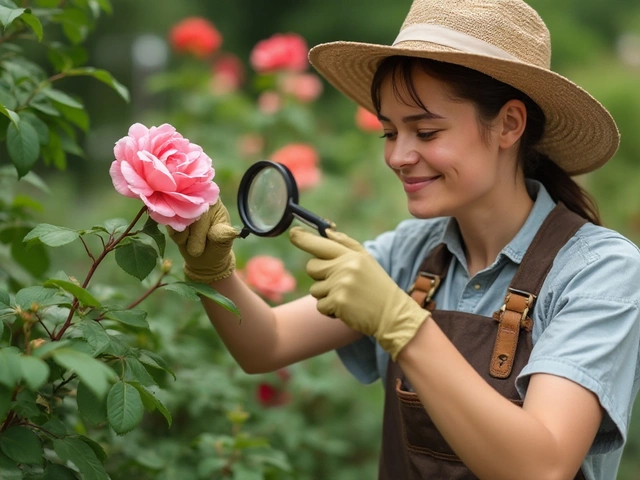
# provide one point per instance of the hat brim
(580, 134)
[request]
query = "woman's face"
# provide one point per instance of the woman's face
(446, 166)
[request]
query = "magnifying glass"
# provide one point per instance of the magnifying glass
(268, 201)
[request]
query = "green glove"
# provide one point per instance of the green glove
(206, 245)
(352, 286)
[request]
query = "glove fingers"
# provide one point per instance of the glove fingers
(180, 238)
(222, 233)
(198, 236)
(319, 289)
(316, 245)
(318, 269)
(326, 307)
(345, 240)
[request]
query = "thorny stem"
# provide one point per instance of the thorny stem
(44, 326)
(110, 246)
(64, 382)
(38, 427)
(86, 248)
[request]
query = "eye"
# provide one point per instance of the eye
(389, 135)
(426, 135)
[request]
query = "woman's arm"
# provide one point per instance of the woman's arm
(267, 338)
(546, 439)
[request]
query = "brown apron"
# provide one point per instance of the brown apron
(497, 347)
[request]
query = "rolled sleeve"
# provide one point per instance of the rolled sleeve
(593, 339)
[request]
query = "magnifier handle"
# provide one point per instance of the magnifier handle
(310, 219)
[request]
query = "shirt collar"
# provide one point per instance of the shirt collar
(517, 247)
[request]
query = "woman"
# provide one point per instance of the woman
(503, 320)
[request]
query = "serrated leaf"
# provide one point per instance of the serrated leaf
(90, 406)
(151, 229)
(23, 146)
(136, 372)
(28, 296)
(82, 456)
(55, 471)
(51, 235)
(96, 336)
(114, 224)
(152, 403)
(96, 447)
(104, 77)
(35, 371)
(124, 408)
(83, 296)
(9, 15)
(21, 445)
(61, 97)
(136, 258)
(95, 374)
(34, 23)
(209, 292)
(156, 361)
(10, 371)
(134, 317)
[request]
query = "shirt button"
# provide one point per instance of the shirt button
(477, 286)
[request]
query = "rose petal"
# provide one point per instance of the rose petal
(156, 173)
(136, 183)
(119, 182)
(177, 223)
(157, 203)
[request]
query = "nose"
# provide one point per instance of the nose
(401, 153)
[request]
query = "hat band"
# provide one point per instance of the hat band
(447, 37)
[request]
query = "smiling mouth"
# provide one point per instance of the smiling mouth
(414, 184)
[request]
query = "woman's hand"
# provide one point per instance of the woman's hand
(206, 245)
(352, 286)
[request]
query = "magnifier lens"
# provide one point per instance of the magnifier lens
(267, 199)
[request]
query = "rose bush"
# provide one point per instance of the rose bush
(269, 277)
(196, 36)
(280, 52)
(302, 160)
(172, 176)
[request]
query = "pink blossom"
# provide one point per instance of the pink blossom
(302, 160)
(250, 144)
(367, 121)
(195, 35)
(268, 276)
(283, 51)
(172, 176)
(305, 87)
(228, 74)
(269, 102)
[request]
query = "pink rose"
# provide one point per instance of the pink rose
(172, 176)
(228, 74)
(302, 160)
(280, 52)
(195, 35)
(268, 276)
(305, 87)
(367, 121)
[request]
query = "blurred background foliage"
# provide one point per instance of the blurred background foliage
(325, 425)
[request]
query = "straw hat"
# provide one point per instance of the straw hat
(505, 39)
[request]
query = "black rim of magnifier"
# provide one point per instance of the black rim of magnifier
(243, 204)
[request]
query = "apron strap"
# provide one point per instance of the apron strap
(430, 274)
(559, 226)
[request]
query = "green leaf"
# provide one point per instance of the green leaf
(75, 24)
(136, 372)
(151, 229)
(104, 77)
(8, 469)
(5, 300)
(95, 374)
(77, 116)
(34, 23)
(105, 5)
(44, 350)
(61, 97)
(136, 258)
(82, 455)
(5, 401)
(9, 15)
(156, 361)
(151, 403)
(21, 445)
(34, 371)
(26, 297)
(52, 152)
(133, 318)
(55, 471)
(10, 371)
(51, 235)
(113, 225)
(96, 336)
(91, 407)
(10, 114)
(83, 296)
(23, 145)
(39, 126)
(124, 408)
(206, 291)
(96, 447)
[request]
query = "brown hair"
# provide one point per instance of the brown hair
(489, 96)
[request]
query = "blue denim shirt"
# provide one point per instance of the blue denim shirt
(586, 318)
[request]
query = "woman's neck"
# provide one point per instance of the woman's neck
(491, 224)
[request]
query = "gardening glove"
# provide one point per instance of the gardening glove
(206, 245)
(352, 286)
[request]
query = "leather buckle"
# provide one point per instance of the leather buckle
(432, 284)
(530, 298)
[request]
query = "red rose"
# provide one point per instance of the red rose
(302, 160)
(228, 74)
(269, 396)
(280, 52)
(267, 276)
(196, 36)
(367, 121)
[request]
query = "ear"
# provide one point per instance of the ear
(513, 120)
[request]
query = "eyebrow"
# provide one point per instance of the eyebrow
(428, 115)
